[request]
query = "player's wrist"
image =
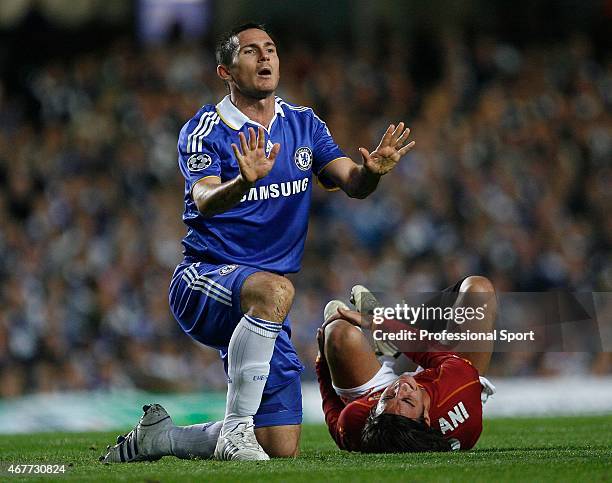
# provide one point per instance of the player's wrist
(244, 182)
(370, 173)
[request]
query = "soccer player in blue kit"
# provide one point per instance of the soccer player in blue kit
(248, 163)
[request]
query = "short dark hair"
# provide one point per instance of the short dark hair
(392, 433)
(227, 46)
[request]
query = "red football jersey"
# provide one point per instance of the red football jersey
(454, 389)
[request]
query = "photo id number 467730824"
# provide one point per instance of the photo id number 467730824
(14, 469)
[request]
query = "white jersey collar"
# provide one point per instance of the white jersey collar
(235, 118)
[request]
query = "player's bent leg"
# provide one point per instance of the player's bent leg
(477, 283)
(146, 442)
(265, 300)
(279, 417)
(241, 309)
(194, 441)
(280, 441)
(478, 292)
(349, 356)
(267, 296)
(156, 436)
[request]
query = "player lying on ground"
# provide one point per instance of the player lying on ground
(369, 408)
(411, 412)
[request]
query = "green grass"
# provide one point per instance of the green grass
(554, 449)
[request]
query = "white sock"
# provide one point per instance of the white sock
(249, 353)
(195, 441)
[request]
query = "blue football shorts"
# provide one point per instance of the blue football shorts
(205, 300)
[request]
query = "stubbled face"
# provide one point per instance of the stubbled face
(405, 398)
(255, 71)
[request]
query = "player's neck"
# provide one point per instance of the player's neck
(426, 405)
(258, 110)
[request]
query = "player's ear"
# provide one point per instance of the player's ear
(224, 73)
(426, 416)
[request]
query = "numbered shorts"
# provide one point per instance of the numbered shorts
(205, 300)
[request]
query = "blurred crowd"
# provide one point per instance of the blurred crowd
(511, 178)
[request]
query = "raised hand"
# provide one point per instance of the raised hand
(252, 161)
(389, 151)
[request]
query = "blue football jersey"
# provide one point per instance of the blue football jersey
(267, 228)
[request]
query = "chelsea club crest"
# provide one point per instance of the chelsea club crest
(227, 269)
(303, 158)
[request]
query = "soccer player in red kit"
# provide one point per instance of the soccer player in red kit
(369, 408)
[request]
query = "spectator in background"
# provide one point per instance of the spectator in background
(511, 179)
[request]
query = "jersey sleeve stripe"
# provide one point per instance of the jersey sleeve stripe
(203, 117)
(195, 132)
(329, 163)
(329, 190)
(304, 109)
(196, 142)
(207, 132)
(322, 122)
(203, 131)
(295, 108)
(318, 175)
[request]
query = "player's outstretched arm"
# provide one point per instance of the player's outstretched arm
(213, 197)
(358, 181)
(331, 403)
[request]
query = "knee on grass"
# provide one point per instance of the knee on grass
(280, 441)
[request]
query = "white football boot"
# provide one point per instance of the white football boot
(240, 444)
(332, 307)
(143, 442)
(365, 302)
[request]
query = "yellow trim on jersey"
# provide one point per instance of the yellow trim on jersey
(330, 162)
(324, 168)
(225, 121)
(201, 179)
(330, 190)
(456, 391)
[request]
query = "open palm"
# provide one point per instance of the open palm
(389, 151)
(252, 161)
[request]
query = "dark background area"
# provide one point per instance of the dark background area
(510, 104)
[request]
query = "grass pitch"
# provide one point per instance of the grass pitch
(553, 449)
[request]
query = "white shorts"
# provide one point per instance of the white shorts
(385, 376)
(381, 379)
